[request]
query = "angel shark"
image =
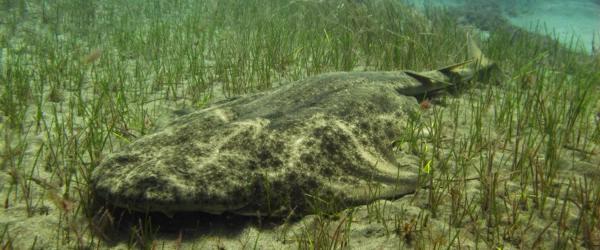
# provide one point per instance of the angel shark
(321, 142)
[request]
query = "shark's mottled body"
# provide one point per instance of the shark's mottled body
(321, 141)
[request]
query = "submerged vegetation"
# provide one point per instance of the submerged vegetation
(511, 161)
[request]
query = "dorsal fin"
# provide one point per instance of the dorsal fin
(456, 69)
(430, 84)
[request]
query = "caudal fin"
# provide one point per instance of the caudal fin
(478, 66)
(475, 54)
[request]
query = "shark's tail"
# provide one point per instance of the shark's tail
(478, 66)
(480, 60)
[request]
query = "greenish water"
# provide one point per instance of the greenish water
(576, 23)
(505, 162)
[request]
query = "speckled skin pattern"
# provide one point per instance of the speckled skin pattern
(320, 143)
